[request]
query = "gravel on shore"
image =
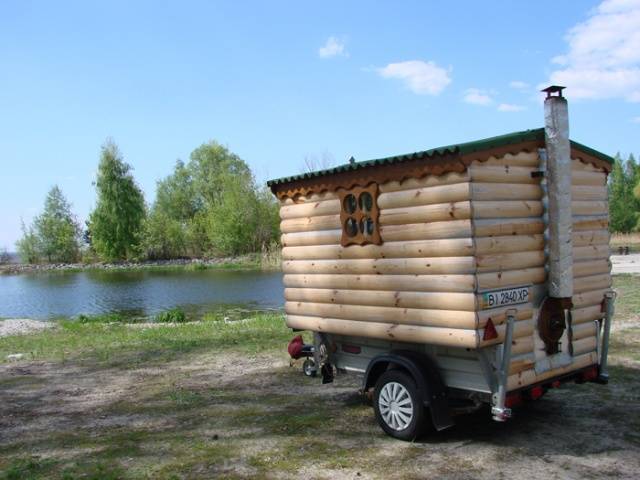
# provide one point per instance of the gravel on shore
(248, 261)
(21, 326)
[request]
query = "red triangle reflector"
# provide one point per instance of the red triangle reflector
(489, 331)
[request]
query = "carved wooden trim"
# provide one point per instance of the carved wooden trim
(380, 173)
(591, 160)
(359, 216)
(418, 167)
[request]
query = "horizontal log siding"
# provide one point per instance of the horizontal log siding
(419, 285)
(591, 267)
(591, 254)
(507, 213)
(444, 239)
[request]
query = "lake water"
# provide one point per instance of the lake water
(146, 292)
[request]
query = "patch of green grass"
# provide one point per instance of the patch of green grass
(125, 346)
(26, 468)
(628, 301)
(293, 454)
(625, 343)
(93, 471)
(185, 398)
(174, 315)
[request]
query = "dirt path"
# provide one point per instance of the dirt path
(231, 416)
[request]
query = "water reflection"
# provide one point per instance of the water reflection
(44, 296)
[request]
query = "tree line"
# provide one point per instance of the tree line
(210, 206)
(624, 195)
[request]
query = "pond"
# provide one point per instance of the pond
(45, 296)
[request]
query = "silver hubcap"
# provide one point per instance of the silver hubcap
(395, 405)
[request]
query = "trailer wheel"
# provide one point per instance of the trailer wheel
(309, 368)
(398, 406)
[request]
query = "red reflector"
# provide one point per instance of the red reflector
(513, 400)
(489, 331)
(536, 392)
(350, 348)
(555, 384)
(590, 374)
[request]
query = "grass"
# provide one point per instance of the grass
(628, 300)
(215, 399)
(174, 315)
(119, 343)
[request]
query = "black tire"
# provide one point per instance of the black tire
(309, 368)
(396, 424)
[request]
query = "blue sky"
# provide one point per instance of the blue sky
(280, 81)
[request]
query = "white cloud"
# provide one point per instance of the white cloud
(635, 119)
(332, 48)
(510, 107)
(422, 78)
(519, 85)
(476, 96)
(603, 60)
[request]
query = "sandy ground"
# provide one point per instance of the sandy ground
(18, 326)
(625, 264)
(257, 417)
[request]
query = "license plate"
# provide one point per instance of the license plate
(509, 296)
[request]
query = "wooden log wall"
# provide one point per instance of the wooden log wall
(445, 239)
(591, 272)
(507, 212)
(418, 286)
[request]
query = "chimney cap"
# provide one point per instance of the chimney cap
(553, 89)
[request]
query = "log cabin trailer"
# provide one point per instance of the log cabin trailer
(465, 275)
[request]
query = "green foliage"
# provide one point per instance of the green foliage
(164, 237)
(57, 229)
(211, 165)
(175, 315)
(243, 221)
(232, 220)
(624, 206)
(211, 206)
(28, 245)
(117, 221)
(54, 235)
(636, 194)
(176, 195)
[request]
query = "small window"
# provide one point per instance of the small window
(359, 216)
(351, 227)
(349, 204)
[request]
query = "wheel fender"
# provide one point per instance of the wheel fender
(425, 373)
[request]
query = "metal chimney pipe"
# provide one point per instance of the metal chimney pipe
(556, 116)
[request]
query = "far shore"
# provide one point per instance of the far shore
(223, 263)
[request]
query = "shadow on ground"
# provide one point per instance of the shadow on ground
(236, 416)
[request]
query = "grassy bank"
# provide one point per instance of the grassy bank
(219, 400)
(108, 340)
(256, 261)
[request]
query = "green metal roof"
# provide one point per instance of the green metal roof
(460, 148)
